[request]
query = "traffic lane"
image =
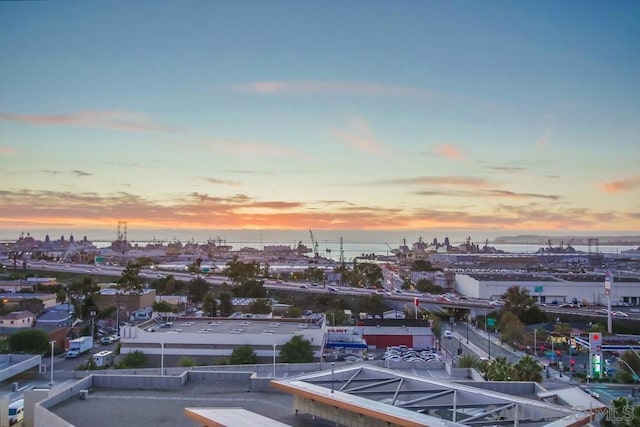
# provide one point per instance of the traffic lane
(483, 343)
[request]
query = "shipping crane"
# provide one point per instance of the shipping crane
(314, 245)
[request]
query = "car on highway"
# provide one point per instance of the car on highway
(447, 334)
(619, 314)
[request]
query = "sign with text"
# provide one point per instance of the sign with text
(538, 289)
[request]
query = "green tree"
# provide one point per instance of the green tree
(61, 295)
(186, 362)
(250, 288)
(296, 350)
(337, 317)
(32, 341)
(629, 364)
(238, 271)
(260, 306)
(424, 285)
(210, 305)
(135, 359)
(82, 292)
(517, 300)
(243, 355)
(293, 312)
(511, 328)
(468, 361)
(197, 288)
(226, 306)
(163, 307)
(130, 280)
(527, 369)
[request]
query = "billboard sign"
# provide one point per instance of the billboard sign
(595, 342)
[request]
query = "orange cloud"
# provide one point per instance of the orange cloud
(240, 211)
(449, 151)
(105, 119)
(622, 185)
(359, 135)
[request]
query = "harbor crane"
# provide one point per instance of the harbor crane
(314, 245)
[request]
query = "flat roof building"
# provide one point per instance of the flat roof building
(203, 338)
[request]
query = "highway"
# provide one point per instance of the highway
(427, 301)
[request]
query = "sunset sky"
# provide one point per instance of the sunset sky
(376, 115)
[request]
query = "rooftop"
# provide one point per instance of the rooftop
(196, 325)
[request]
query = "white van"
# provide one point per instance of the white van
(16, 412)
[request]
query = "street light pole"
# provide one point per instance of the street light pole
(468, 319)
(161, 359)
(53, 343)
(274, 360)
(332, 376)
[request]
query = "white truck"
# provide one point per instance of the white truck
(103, 359)
(16, 412)
(79, 346)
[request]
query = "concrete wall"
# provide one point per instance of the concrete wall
(42, 415)
(18, 364)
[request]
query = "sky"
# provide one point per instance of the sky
(287, 115)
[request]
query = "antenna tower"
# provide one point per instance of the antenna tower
(341, 252)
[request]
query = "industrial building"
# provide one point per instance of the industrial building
(550, 287)
(205, 338)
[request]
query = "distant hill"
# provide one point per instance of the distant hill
(575, 240)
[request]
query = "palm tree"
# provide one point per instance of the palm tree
(468, 361)
(499, 370)
(527, 369)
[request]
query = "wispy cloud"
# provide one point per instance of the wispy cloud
(103, 119)
(7, 151)
(255, 148)
(458, 181)
(222, 182)
(306, 87)
(449, 151)
(75, 172)
(360, 136)
(490, 193)
(622, 185)
(507, 169)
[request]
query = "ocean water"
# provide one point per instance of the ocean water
(354, 242)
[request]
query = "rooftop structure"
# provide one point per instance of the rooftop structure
(373, 396)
